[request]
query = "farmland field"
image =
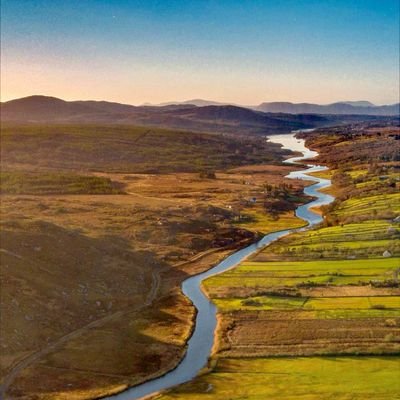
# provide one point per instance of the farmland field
(296, 378)
(295, 275)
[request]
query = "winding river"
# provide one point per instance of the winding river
(201, 342)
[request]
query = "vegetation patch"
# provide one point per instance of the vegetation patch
(20, 182)
(129, 149)
(311, 378)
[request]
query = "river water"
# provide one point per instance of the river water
(202, 340)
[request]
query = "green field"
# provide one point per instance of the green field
(318, 307)
(313, 378)
(261, 222)
(274, 275)
(365, 239)
(371, 205)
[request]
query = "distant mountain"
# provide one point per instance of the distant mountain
(45, 108)
(194, 102)
(361, 107)
(361, 103)
(208, 118)
(37, 106)
(340, 108)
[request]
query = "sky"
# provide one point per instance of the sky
(238, 51)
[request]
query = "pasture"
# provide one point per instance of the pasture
(312, 378)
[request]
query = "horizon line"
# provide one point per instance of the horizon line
(172, 102)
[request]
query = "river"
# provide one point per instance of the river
(202, 340)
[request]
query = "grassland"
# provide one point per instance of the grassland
(21, 182)
(370, 206)
(369, 238)
(254, 276)
(293, 378)
(324, 307)
(261, 222)
(127, 149)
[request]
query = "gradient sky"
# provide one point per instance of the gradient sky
(240, 51)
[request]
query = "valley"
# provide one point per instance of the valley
(200, 200)
(102, 224)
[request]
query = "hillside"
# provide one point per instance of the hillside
(361, 107)
(225, 119)
(126, 149)
(100, 225)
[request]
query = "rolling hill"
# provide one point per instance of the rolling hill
(361, 107)
(227, 119)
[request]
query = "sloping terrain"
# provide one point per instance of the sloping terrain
(225, 119)
(127, 149)
(100, 225)
(338, 108)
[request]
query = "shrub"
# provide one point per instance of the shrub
(378, 306)
(207, 175)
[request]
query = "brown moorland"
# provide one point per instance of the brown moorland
(95, 245)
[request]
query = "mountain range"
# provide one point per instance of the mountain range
(361, 107)
(340, 108)
(217, 118)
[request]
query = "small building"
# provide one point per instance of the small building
(387, 254)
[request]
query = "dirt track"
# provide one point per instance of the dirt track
(32, 358)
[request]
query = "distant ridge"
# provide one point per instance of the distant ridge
(206, 118)
(340, 108)
(194, 102)
(361, 107)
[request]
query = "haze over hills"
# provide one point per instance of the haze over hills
(361, 107)
(195, 102)
(340, 108)
(266, 119)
